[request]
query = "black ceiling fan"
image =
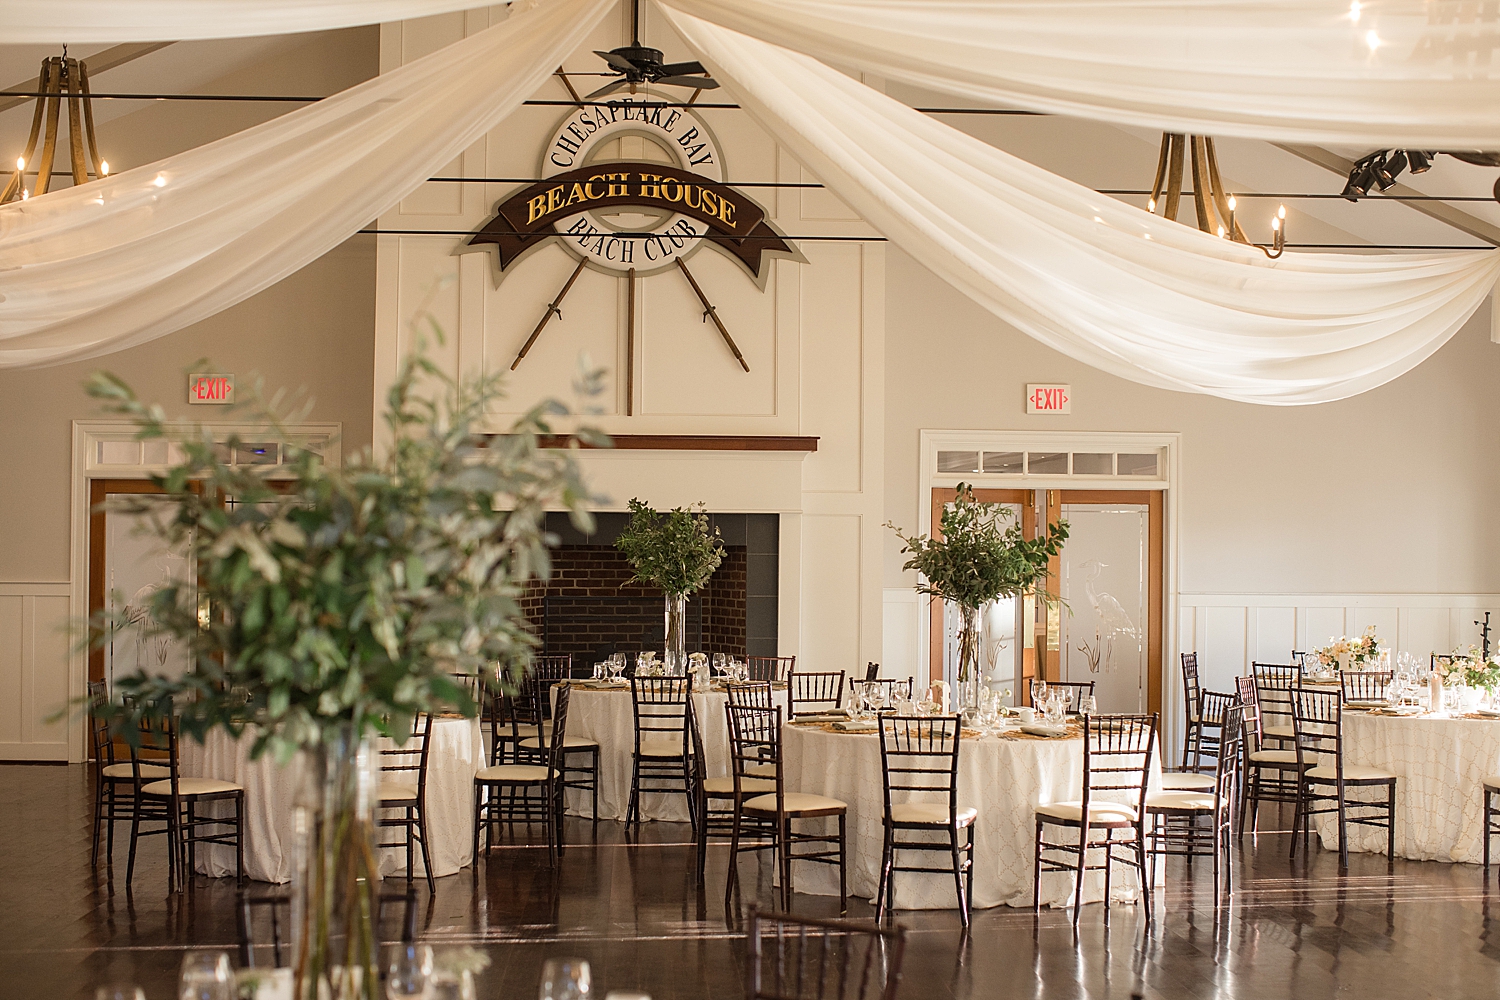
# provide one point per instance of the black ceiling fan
(637, 64)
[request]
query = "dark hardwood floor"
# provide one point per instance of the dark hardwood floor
(1293, 931)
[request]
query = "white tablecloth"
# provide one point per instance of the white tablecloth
(605, 716)
(456, 754)
(1005, 779)
(1440, 764)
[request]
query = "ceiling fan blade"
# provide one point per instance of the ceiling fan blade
(616, 60)
(698, 82)
(608, 88)
(683, 68)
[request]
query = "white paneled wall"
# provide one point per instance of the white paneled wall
(34, 668)
(1230, 631)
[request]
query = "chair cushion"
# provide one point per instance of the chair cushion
(1180, 801)
(724, 787)
(522, 773)
(190, 786)
(1352, 772)
(795, 802)
(396, 789)
(661, 746)
(935, 813)
(1182, 781)
(762, 770)
(569, 743)
(1269, 757)
(150, 772)
(1099, 812)
(1278, 732)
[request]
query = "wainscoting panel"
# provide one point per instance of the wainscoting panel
(34, 667)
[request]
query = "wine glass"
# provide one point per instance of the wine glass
(1038, 692)
(721, 664)
(564, 979)
(1087, 705)
(1066, 695)
(119, 993)
(411, 967)
(206, 975)
(875, 696)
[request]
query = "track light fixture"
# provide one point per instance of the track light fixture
(1381, 168)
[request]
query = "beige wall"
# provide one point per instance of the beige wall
(1391, 491)
(312, 331)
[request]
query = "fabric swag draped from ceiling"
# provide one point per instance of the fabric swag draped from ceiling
(1106, 283)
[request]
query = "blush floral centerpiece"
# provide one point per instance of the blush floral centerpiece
(1344, 653)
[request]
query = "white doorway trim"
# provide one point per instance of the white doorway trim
(107, 449)
(1169, 444)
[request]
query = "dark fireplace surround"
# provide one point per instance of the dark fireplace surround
(588, 609)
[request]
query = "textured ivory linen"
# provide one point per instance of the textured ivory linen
(1281, 70)
(1440, 765)
(116, 262)
(1005, 780)
(78, 21)
(1103, 282)
(456, 755)
(606, 717)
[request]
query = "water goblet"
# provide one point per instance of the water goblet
(1066, 694)
(565, 979)
(1087, 705)
(410, 969)
(206, 975)
(1038, 691)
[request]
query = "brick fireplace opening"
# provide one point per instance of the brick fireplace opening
(588, 608)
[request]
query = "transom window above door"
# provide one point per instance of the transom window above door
(1142, 463)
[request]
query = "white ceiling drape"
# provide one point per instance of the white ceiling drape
(77, 22)
(1380, 73)
(98, 268)
(1108, 284)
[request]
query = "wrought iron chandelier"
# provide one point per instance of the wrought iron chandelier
(62, 78)
(1215, 207)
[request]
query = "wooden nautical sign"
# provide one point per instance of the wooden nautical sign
(562, 205)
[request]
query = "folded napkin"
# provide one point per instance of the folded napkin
(1040, 730)
(1366, 704)
(821, 716)
(856, 725)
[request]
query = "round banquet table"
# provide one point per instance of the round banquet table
(456, 754)
(605, 716)
(1440, 763)
(1004, 777)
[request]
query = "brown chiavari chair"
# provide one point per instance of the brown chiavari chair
(1116, 765)
(662, 708)
(1273, 692)
(495, 787)
(1367, 686)
(1079, 689)
(173, 801)
(1175, 815)
(808, 693)
(1491, 822)
(1317, 718)
(403, 790)
(771, 668)
(1192, 693)
(821, 959)
(715, 797)
(751, 694)
(582, 776)
(754, 743)
(872, 671)
(1270, 775)
(277, 907)
(114, 779)
(919, 761)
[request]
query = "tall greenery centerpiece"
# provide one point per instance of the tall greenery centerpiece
(678, 552)
(974, 558)
(335, 603)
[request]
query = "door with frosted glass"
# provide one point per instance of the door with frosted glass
(1104, 579)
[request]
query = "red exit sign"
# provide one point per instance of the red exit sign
(210, 388)
(1049, 398)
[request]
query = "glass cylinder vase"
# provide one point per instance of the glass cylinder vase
(970, 635)
(337, 876)
(676, 653)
